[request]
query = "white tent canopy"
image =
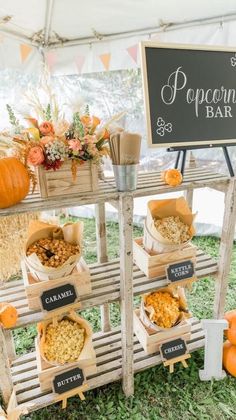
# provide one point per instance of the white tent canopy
(77, 36)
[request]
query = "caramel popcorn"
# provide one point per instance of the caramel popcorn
(61, 249)
(64, 342)
(173, 229)
(164, 309)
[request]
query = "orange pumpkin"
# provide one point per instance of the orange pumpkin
(14, 182)
(229, 358)
(172, 177)
(230, 333)
(8, 315)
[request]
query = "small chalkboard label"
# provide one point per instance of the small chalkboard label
(58, 296)
(180, 271)
(68, 380)
(172, 349)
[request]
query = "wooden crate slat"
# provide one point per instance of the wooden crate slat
(10, 284)
(24, 358)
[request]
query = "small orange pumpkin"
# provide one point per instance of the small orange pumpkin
(14, 182)
(172, 177)
(8, 315)
(230, 333)
(229, 358)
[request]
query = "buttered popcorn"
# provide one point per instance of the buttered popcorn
(64, 342)
(164, 309)
(173, 229)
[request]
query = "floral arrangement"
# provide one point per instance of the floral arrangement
(50, 142)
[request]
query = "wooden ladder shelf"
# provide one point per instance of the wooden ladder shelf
(119, 353)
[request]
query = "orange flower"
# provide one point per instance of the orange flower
(106, 134)
(85, 119)
(95, 121)
(32, 122)
(46, 128)
(46, 139)
(35, 156)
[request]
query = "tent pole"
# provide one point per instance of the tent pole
(48, 21)
(163, 27)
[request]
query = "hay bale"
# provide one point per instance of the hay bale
(13, 232)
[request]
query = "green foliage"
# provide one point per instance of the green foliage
(48, 113)
(158, 394)
(77, 126)
(12, 118)
(87, 111)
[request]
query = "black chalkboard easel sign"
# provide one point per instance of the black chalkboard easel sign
(190, 97)
(180, 271)
(58, 296)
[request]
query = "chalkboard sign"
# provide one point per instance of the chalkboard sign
(190, 94)
(58, 296)
(66, 381)
(172, 349)
(180, 271)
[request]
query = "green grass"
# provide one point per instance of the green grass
(158, 394)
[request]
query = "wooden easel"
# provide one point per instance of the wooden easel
(77, 391)
(172, 362)
(184, 154)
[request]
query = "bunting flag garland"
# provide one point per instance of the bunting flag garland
(80, 62)
(25, 50)
(105, 59)
(133, 52)
(50, 58)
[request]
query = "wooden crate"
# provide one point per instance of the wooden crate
(47, 372)
(151, 341)
(155, 265)
(60, 182)
(80, 278)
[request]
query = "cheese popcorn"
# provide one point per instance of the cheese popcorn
(163, 309)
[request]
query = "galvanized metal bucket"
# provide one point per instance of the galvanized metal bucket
(125, 177)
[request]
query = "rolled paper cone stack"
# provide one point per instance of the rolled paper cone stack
(125, 148)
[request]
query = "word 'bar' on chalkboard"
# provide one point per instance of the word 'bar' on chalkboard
(190, 94)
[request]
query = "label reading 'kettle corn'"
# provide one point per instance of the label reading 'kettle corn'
(180, 271)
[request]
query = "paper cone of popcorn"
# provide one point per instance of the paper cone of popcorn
(70, 232)
(159, 209)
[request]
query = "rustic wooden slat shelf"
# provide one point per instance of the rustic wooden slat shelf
(119, 354)
(149, 183)
(105, 279)
(108, 349)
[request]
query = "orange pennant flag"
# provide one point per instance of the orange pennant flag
(105, 59)
(25, 50)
